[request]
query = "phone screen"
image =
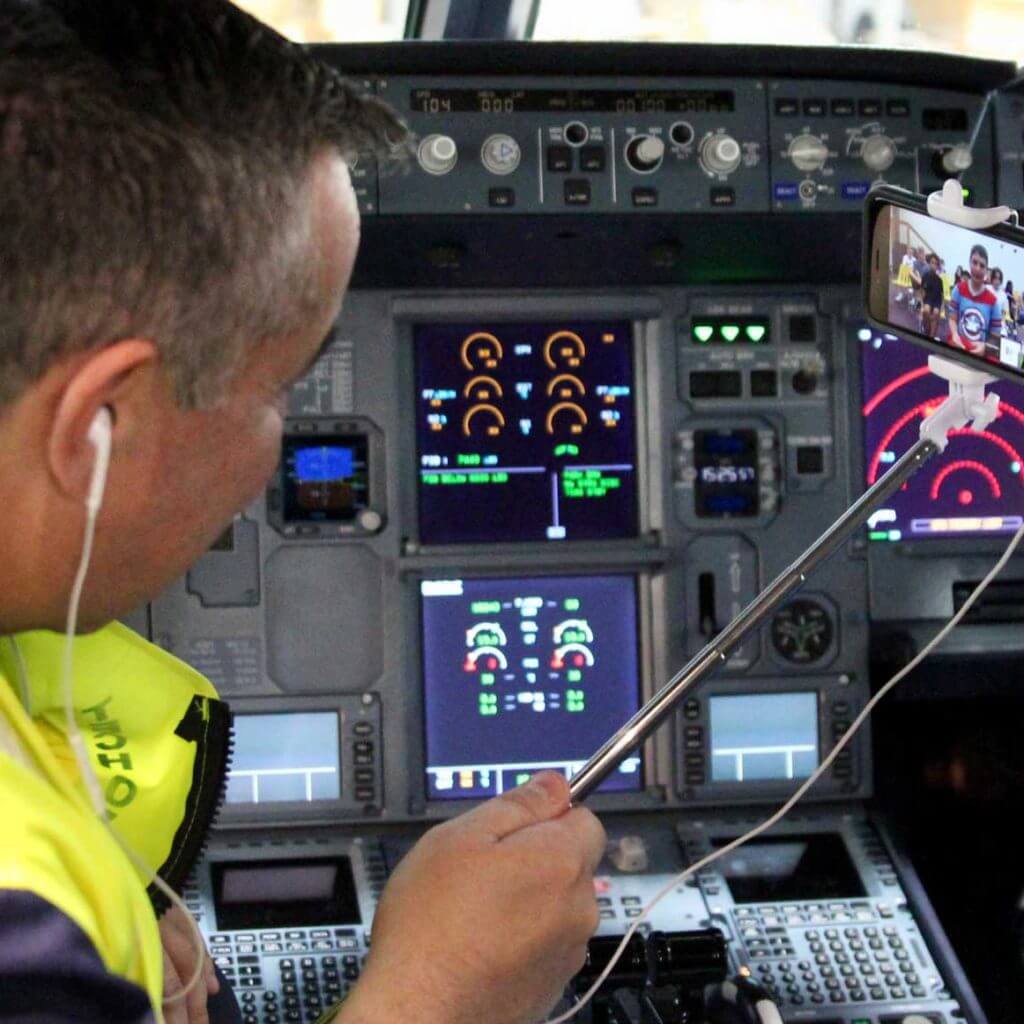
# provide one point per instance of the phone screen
(957, 288)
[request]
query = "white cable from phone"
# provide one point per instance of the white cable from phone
(804, 787)
(85, 764)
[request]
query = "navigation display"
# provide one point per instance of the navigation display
(975, 487)
(756, 738)
(525, 674)
(525, 432)
(285, 757)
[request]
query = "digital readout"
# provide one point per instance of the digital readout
(572, 101)
(727, 482)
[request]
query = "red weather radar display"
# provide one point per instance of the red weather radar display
(975, 487)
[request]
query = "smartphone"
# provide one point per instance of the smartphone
(956, 291)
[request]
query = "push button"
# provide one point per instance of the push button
(810, 460)
(577, 192)
(559, 159)
(764, 383)
(501, 198)
(592, 158)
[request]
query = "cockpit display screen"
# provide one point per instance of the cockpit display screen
(525, 674)
(791, 868)
(277, 894)
(326, 478)
(975, 487)
(762, 737)
(525, 432)
(285, 756)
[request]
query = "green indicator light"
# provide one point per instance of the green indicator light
(487, 678)
(703, 332)
(1014, 467)
(572, 604)
(567, 449)
(485, 607)
(756, 332)
(895, 535)
(574, 675)
(522, 778)
(730, 331)
(966, 192)
(878, 535)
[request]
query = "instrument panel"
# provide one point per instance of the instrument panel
(506, 514)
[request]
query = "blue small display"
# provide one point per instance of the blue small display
(526, 674)
(326, 478)
(320, 464)
(762, 737)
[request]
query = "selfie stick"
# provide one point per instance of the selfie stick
(965, 405)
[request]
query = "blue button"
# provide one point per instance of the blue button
(786, 190)
(855, 189)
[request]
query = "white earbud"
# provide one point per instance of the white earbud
(100, 435)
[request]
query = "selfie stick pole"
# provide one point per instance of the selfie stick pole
(966, 404)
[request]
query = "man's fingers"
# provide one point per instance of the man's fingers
(176, 1012)
(212, 981)
(179, 967)
(591, 833)
(544, 797)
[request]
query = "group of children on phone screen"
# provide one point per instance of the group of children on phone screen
(973, 309)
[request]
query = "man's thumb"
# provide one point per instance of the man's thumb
(545, 796)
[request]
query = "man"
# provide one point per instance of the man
(178, 229)
(974, 317)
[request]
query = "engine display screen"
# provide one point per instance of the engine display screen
(295, 893)
(285, 757)
(790, 868)
(762, 737)
(525, 432)
(326, 478)
(975, 487)
(521, 675)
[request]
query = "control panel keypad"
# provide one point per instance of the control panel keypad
(832, 965)
(309, 980)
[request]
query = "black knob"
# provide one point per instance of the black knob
(805, 382)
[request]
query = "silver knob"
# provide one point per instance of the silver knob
(644, 153)
(808, 152)
(370, 520)
(720, 154)
(437, 154)
(878, 153)
(957, 159)
(500, 154)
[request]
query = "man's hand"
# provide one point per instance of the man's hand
(488, 917)
(177, 936)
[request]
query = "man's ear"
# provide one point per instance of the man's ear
(117, 377)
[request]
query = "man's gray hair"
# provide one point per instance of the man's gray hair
(154, 167)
